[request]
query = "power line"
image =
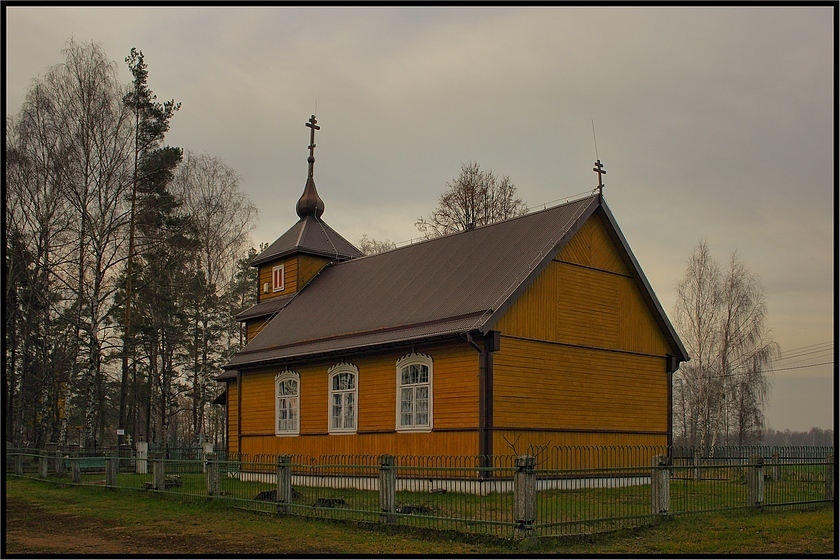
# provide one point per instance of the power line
(801, 367)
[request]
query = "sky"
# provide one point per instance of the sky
(713, 123)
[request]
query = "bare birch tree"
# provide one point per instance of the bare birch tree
(474, 198)
(721, 317)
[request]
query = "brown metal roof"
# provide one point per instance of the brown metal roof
(309, 235)
(264, 308)
(441, 287)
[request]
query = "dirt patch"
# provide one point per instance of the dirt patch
(31, 529)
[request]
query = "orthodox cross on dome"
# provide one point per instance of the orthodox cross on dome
(310, 204)
(599, 169)
(312, 124)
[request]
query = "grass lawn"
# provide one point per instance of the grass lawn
(46, 518)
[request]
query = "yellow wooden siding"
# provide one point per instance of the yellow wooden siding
(395, 443)
(592, 246)
(506, 441)
(455, 403)
(253, 327)
(290, 276)
(232, 418)
(554, 386)
(308, 267)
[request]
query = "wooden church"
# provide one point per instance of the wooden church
(540, 329)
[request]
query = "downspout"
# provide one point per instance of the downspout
(485, 393)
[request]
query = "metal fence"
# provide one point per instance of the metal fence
(549, 492)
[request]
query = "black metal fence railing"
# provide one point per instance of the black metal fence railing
(554, 491)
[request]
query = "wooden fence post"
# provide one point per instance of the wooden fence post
(525, 493)
(660, 485)
(829, 477)
(159, 473)
(755, 479)
(211, 474)
(387, 489)
(43, 465)
(112, 467)
(19, 463)
(284, 483)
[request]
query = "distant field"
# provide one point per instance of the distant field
(49, 519)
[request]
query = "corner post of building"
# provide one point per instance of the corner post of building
(159, 474)
(387, 489)
(112, 467)
(43, 464)
(211, 474)
(525, 494)
(660, 485)
(284, 483)
(829, 477)
(755, 480)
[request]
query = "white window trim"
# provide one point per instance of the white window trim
(280, 377)
(274, 286)
(342, 367)
(407, 360)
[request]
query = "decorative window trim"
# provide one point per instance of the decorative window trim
(278, 278)
(332, 373)
(287, 375)
(415, 359)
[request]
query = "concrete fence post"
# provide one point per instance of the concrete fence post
(141, 461)
(159, 473)
(206, 450)
(112, 467)
(59, 463)
(829, 477)
(387, 489)
(75, 469)
(211, 474)
(660, 485)
(525, 493)
(755, 480)
(43, 465)
(284, 483)
(776, 468)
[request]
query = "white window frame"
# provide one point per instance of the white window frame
(332, 373)
(287, 375)
(408, 360)
(275, 287)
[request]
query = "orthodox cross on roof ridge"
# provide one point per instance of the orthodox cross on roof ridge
(599, 169)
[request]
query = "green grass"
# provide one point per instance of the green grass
(66, 519)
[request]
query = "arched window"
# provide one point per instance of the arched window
(414, 393)
(287, 403)
(344, 389)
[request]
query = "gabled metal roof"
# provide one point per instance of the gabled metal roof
(445, 286)
(310, 235)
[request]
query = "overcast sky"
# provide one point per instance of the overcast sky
(712, 123)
